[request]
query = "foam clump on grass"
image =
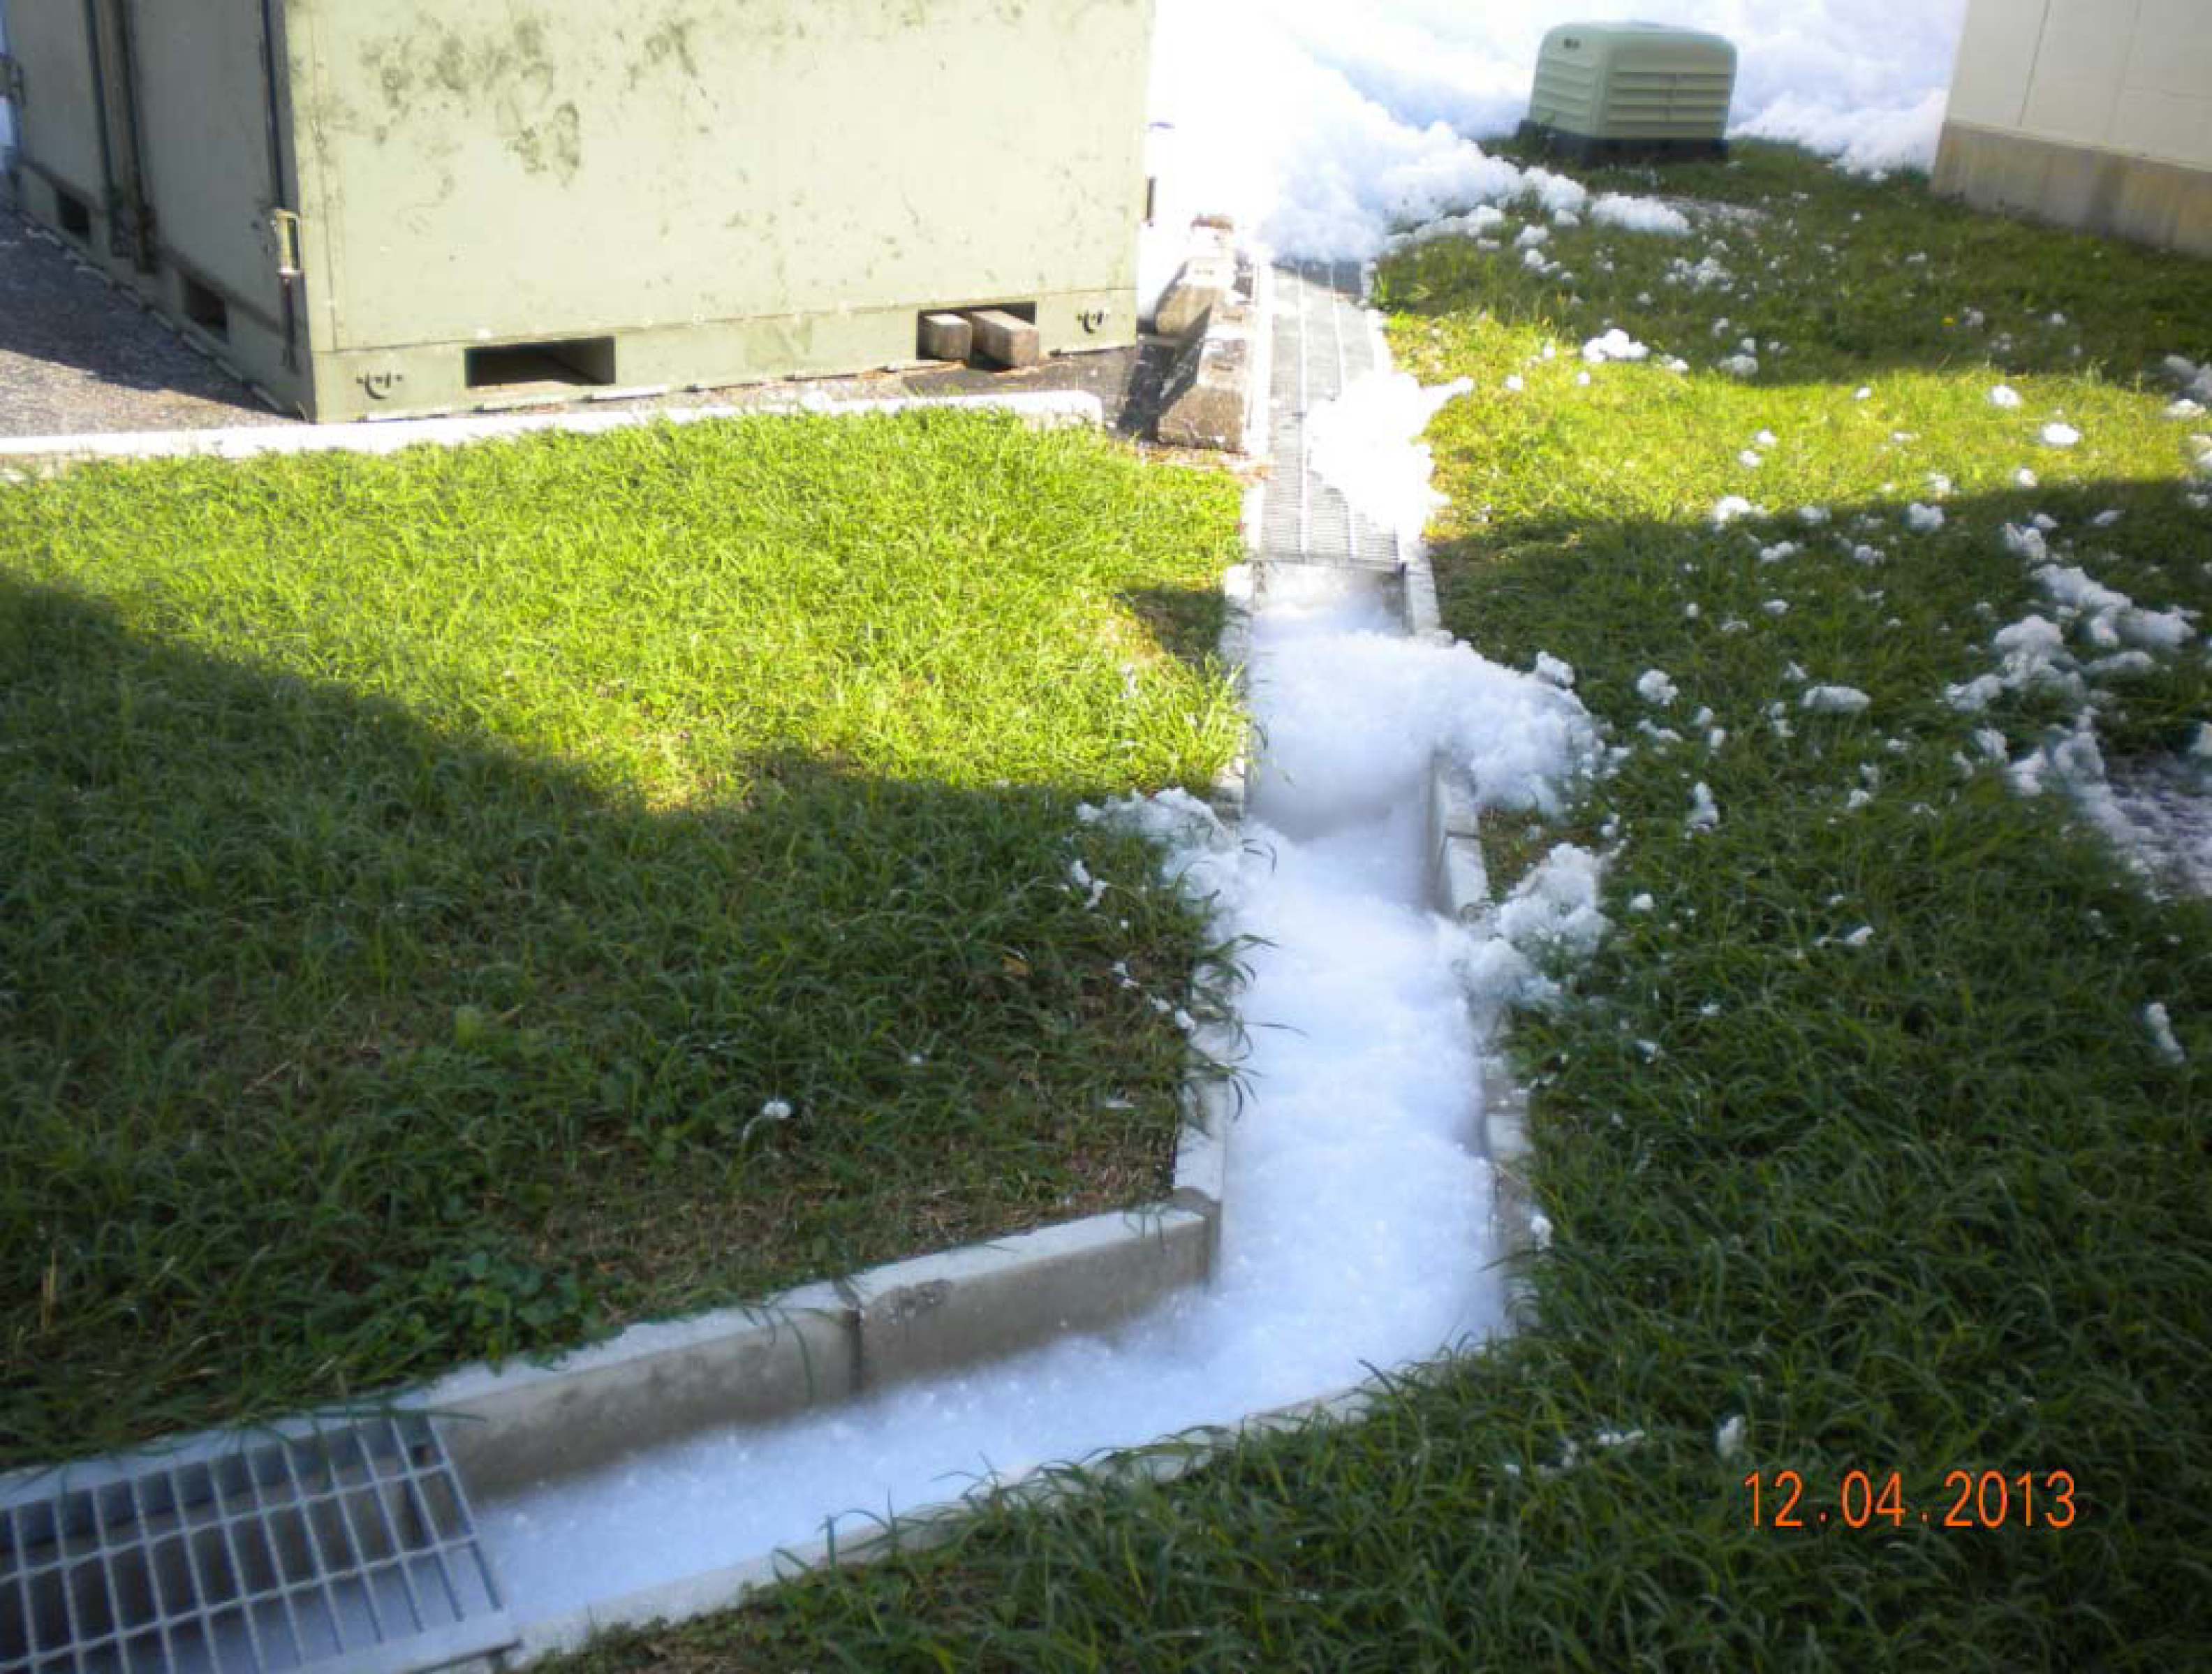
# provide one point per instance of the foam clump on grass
(1704, 812)
(1835, 700)
(1199, 855)
(2163, 1044)
(2071, 760)
(2107, 617)
(1615, 345)
(1554, 910)
(1640, 215)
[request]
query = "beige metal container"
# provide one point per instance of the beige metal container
(1642, 88)
(422, 205)
(2086, 113)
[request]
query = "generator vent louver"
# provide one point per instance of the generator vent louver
(301, 1551)
(1622, 88)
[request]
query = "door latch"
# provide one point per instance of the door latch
(284, 230)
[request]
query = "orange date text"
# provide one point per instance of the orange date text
(1863, 1500)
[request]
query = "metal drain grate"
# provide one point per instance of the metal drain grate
(1323, 341)
(297, 1550)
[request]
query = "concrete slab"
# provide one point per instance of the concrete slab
(947, 336)
(1005, 339)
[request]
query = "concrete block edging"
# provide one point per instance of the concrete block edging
(1217, 393)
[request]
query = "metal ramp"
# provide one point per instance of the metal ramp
(1323, 338)
(343, 1548)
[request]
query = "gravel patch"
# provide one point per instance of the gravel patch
(78, 355)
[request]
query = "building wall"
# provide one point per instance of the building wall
(2093, 112)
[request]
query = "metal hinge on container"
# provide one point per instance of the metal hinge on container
(284, 228)
(11, 79)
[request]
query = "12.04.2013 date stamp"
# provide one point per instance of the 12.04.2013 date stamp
(1969, 1500)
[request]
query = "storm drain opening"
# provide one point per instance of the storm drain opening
(309, 1552)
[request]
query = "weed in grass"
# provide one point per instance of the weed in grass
(1854, 1144)
(423, 872)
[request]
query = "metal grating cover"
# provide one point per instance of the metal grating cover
(1323, 343)
(294, 1550)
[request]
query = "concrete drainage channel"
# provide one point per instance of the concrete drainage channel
(451, 1531)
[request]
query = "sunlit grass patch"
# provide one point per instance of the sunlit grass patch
(460, 902)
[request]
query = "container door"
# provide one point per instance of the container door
(205, 115)
(59, 131)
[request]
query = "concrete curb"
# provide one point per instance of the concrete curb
(1232, 786)
(1041, 409)
(825, 1344)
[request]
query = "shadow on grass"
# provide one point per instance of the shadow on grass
(1747, 616)
(1855, 277)
(1182, 623)
(337, 1049)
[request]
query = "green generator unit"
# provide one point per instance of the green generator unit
(1609, 91)
(372, 208)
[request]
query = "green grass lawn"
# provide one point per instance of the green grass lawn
(422, 875)
(1859, 1152)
